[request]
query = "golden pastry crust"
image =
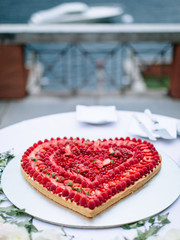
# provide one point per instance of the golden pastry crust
(86, 211)
(79, 208)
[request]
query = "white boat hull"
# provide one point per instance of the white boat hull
(75, 13)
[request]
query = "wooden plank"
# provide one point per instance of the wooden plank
(73, 33)
(175, 73)
(13, 74)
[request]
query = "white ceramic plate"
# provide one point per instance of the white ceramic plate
(154, 197)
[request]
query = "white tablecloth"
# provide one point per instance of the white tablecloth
(20, 136)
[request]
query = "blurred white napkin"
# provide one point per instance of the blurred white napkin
(96, 114)
(168, 123)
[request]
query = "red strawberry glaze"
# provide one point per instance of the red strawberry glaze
(89, 172)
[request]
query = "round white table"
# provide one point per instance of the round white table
(20, 136)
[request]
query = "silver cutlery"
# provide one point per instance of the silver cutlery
(161, 131)
(144, 128)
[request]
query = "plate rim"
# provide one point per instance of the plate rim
(18, 157)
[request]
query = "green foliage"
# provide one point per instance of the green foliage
(151, 226)
(10, 214)
(11, 211)
(28, 225)
(155, 83)
(134, 225)
(4, 159)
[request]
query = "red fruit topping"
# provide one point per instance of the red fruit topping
(111, 174)
(118, 187)
(48, 184)
(139, 156)
(26, 165)
(52, 187)
(97, 202)
(35, 175)
(121, 168)
(131, 161)
(67, 174)
(59, 190)
(145, 170)
(100, 179)
(154, 163)
(132, 177)
(141, 172)
(77, 197)
(29, 169)
(116, 170)
(100, 198)
(106, 162)
(117, 153)
(105, 196)
(68, 151)
(111, 151)
(137, 175)
(90, 185)
(128, 181)
(109, 192)
(150, 166)
(89, 172)
(91, 204)
(78, 179)
(123, 185)
(71, 195)
(135, 161)
(83, 201)
(98, 164)
(39, 178)
(84, 183)
(113, 190)
(31, 172)
(83, 169)
(126, 165)
(44, 180)
(95, 184)
(27, 153)
(73, 177)
(65, 192)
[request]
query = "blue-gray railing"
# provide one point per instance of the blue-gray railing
(91, 55)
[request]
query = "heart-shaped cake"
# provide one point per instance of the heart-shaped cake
(89, 176)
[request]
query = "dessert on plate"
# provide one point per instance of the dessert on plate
(89, 176)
